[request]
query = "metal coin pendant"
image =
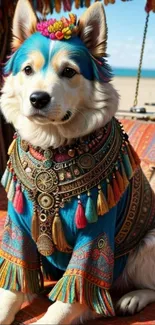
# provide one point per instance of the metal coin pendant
(45, 245)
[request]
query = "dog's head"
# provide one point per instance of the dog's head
(57, 90)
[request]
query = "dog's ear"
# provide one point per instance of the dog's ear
(24, 23)
(92, 29)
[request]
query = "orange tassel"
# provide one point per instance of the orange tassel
(134, 155)
(77, 4)
(117, 193)
(111, 199)
(102, 206)
(87, 3)
(119, 181)
(125, 180)
(80, 219)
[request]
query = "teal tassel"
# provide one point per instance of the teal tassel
(5, 177)
(11, 191)
(90, 211)
(127, 165)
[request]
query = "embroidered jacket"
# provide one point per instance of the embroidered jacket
(77, 211)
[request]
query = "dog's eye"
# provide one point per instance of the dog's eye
(68, 73)
(28, 70)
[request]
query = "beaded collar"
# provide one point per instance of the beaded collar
(103, 159)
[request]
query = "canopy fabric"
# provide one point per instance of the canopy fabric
(47, 6)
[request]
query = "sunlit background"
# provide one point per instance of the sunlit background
(125, 31)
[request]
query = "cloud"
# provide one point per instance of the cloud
(127, 54)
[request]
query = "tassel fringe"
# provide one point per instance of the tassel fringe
(116, 190)
(11, 191)
(4, 178)
(11, 147)
(68, 290)
(119, 181)
(18, 201)
(110, 196)
(35, 227)
(58, 236)
(14, 277)
(90, 212)
(102, 206)
(80, 219)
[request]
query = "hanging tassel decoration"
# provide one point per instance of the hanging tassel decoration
(5, 177)
(116, 190)
(57, 6)
(80, 218)
(134, 155)
(11, 146)
(77, 4)
(87, 3)
(35, 226)
(125, 180)
(8, 182)
(102, 206)
(18, 201)
(90, 211)
(119, 180)
(132, 161)
(58, 236)
(127, 165)
(11, 191)
(110, 195)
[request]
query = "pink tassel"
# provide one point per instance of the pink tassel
(18, 201)
(80, 219)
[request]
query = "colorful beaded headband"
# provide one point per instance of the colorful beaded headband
(58, 29)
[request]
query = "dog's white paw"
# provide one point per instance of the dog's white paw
(134, 301)
(10, 304)
(63, 313)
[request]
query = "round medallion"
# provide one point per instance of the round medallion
(43, 217)
(101, 243)
(46, 181)
(45, 245)
(46, 201)
(48, 154)
(87, 161)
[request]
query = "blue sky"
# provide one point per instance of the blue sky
(125, 31)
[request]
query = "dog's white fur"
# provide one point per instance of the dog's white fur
(95, 105)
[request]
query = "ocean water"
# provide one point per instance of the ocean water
(127, 72)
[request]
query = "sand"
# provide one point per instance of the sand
(126, 88)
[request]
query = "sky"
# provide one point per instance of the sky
(125, 22)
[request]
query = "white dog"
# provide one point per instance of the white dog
(57, 94)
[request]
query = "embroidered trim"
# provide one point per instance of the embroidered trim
(88, 276)
(138, 215)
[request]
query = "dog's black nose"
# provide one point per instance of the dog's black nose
(39, 99)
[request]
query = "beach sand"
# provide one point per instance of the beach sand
(126, 88)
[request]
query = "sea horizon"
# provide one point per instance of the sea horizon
(132, 72)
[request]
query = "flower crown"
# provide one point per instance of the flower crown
(58, 29)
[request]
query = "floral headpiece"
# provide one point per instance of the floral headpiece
(58, 29)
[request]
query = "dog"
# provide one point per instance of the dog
(79, 206)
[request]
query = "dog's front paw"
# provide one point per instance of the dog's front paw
(10, 304)
(134, 301)
(60, 313)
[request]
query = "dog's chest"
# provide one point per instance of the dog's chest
(87, 178)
